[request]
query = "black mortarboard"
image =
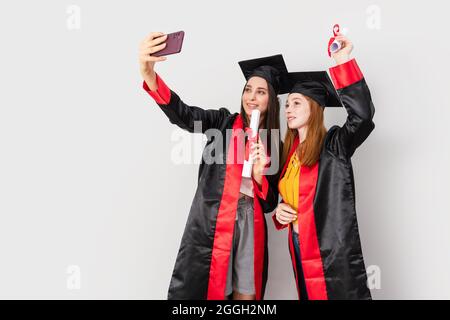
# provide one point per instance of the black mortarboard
(272, 69)
(316, 85)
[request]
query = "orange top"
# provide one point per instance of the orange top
(289, 184)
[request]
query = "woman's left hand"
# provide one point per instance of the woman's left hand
(260, 160)
(343, 55)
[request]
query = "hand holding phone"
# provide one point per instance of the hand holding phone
(173, 43)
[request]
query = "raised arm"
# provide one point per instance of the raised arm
(178, 112)
(355, 96)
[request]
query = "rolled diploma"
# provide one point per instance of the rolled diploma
(335, 46)
(254, 124)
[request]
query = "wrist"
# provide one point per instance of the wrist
(258, 178)
(150, 79)
(342, 60)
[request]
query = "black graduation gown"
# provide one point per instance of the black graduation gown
(331, 254)
(201, 266)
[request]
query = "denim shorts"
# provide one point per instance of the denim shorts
(240, 276)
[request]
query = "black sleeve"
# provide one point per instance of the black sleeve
(185, 116)
(360, 109)
(272, 198)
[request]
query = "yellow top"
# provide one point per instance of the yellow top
(289, 183)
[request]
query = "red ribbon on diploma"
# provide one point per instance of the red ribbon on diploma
(335, 32)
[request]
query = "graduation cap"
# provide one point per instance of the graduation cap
(316, 85)
(272, 69)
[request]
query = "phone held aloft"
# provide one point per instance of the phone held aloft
(174, 42)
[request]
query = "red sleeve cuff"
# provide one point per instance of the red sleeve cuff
(261, 192)
(346, 74)
(278, 225)
(162, 94)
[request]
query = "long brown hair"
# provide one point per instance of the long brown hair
(309, 150)
(271, 119)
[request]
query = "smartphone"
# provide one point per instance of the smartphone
(174, 42)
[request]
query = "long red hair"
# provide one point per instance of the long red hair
(309, 150)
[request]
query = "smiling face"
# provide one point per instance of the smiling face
(255, 96)
(298, 110)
